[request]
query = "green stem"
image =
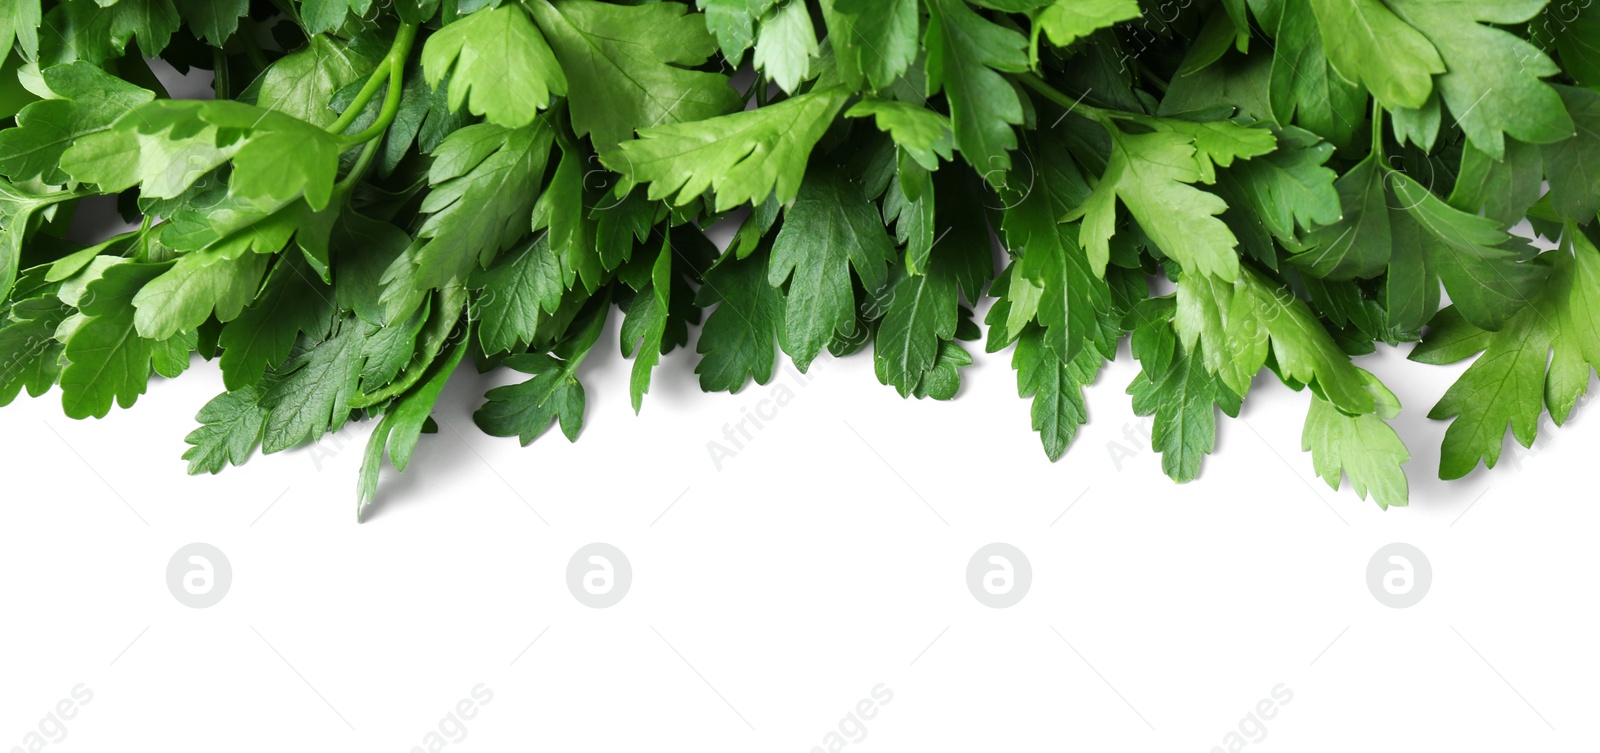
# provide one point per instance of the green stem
(395, 63)
(1377, 130)
(363, 161)
(375, 84)
(1057, 96)
(219, 81)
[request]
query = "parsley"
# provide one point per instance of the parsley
(396, 188)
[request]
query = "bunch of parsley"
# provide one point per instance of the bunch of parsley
(380, 191)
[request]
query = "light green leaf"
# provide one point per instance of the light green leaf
(302, 83)
(107, 360)
(1153, 175)
(874, 41)
(1364, 448)
(741, 157)
(923, 133)
(499, 64)
(1492, 85)
(1543, 358)
(321, 16)
(89, 101)
(1067, 21)
(19, 25)
(734, 24)
(786, 45)
(1234, 323)
(482, 198)
(1369, 45)
(184, 297)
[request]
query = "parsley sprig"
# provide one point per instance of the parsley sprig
(382, 191)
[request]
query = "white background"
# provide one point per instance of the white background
(826, 558)
(768, 598)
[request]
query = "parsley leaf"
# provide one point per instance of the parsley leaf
(1305, 88)
(33, 355)
(106, 359)
(515, 290)
(1055, 387)
(1541, 359)
(1290, 186)
(1153, 175)
(734, 24)
(327, 15)
(478, 205)
(741, 157)
(88, 101)
(527, 410)
(829, 230)
(18, 208)
(1184, 401)
(646, 324)
(293, 301)
(401, 427)
(966, 55)
(642, 57)
(302, 83)
(874, 41)
(213, 20)
(1491, 81)
(499, 65)
(312, 390)
(1235, 323)
(1573, 166)
(1067, 21)
(230, 430)
(1368, 44)
(922, 133)
(739, 340)
(1363, 448)
(1054, 277)
(19, 25)
(786, 45)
